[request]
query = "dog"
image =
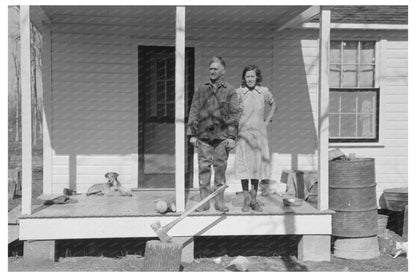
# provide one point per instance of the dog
(111, 188)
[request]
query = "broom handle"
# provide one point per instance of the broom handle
(168, 226)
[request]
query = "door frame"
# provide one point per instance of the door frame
(135, 43)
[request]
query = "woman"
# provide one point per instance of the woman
(252, 150)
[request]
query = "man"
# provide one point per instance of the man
(212, 127)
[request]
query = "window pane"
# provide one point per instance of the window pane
(348, 125)
(367, 76)
(367, 54)
(160, 73)
(334, 125)
(171, 110)
(366, 102)
(161, 110)
(366, 118)
(335, 52)
(171, 69)
(334, 76)
(160, 91)
(366, 126)
(357, 114)
(350, 51)
(348, 102)
(350, 76)
(334, 97)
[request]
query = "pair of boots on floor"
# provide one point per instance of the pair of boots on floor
(219, 200)
(250, 197)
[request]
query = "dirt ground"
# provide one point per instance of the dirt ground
(384, 263)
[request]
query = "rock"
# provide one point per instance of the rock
(217, 260)
(238, 264)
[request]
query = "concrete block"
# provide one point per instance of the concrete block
(188, 248)
(39, 250)
(314, 248)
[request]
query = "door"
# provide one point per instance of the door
(157, 116)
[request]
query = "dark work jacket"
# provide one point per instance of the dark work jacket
(214, 114)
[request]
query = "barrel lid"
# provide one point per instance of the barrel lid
(357, 160)
(400, 190)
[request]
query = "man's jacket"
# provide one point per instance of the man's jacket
(214, 114)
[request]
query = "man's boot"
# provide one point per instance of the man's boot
(246, 203)
(219, 202)
(253, 203)
(204, 192)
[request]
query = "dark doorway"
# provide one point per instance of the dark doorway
(157, 116)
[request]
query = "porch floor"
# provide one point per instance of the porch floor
(142, 204)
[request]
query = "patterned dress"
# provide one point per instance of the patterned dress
(252, 160)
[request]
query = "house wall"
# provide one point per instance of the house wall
(296, 80)
(92, 76)
(94, 82)
(94, 101)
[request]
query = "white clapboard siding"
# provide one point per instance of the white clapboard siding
(94, 82)
(297, 96)
(92, 115)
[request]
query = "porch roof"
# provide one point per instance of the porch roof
(273, 16)
(374, 14)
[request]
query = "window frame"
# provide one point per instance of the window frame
(377, 117)
(376, 88)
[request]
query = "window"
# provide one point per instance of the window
(353, 97)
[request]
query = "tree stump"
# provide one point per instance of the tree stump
(162, 256)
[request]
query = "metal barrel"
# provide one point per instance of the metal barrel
(352, 195)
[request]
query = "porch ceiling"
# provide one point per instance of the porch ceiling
(275, 16)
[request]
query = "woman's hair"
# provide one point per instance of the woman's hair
(256, 69)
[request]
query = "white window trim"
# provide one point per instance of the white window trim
(380, 48)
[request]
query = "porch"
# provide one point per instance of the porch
(100, 217)
(122, 217)
(92, 124)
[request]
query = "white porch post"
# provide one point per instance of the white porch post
(323, 121)
(26, 110)
(180, 109)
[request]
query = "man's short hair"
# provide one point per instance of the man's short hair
(217, 59)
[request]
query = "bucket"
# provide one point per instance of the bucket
(396, 198)
(357, 248)
(352, 195)
(382, 223)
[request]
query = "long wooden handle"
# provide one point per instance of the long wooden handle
(168, 226)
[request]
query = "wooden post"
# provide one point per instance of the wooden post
(26, 110)
(180, 109)
(323, 120)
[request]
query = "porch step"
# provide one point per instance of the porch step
(14, 215)
(13, 233)
(13, 224)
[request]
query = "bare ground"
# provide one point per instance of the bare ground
(384, 263)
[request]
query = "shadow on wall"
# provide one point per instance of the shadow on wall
(297, 82)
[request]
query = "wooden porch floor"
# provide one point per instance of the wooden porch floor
(122, 217)
(142, 204)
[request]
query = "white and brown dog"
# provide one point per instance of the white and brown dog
(111, 188)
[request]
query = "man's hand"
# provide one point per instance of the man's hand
(193, 141)
(229, 144)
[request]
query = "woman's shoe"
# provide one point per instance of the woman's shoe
(253, 203)
(246, 203)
